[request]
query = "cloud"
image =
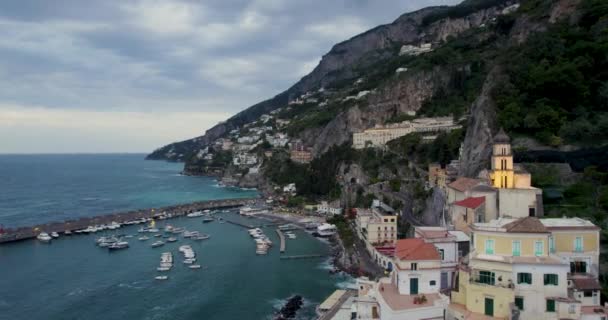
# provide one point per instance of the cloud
(61, 130)
(112, 63)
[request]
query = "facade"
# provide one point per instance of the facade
(332, 208)
(437, 176)
(376, 227)
(515, 271)
(300, 154)
(380, 135)
(410, 292)
(451, 245)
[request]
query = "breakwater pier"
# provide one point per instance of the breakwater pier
(23, 233)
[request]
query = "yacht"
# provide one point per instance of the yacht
(55, 235)
(118, 245)
(44, 237)
(157, 244)
(326, 230)
(195, 214)
(201, 237)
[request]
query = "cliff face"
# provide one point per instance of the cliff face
(340, 63)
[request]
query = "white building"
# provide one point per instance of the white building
(380, 135)
(332, 208)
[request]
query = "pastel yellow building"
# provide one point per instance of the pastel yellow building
(520, 269)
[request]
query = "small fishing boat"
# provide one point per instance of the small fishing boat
(143, 238)
(208, 219)
(194, 214)
(67, 232)
(201, 237)
(161, 277)
(189, 261)
(194, 266)
(55, 235)
(158, 235)
(171, 239)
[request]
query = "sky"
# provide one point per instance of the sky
(131, 76)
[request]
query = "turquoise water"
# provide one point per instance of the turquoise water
(71, 278)
(43, 188)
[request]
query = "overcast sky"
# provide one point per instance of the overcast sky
(130, 76)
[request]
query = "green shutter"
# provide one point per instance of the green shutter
(489, 246)
(550, 279)
(516, 248)
(519, 302)
(538, 248)
(523, 277)
(550, 305)
(578, 244)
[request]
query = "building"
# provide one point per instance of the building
(412, 290)
(437, 176)
(380, 135)
(506, 191)
(451, 245)
(332, 208)
(300, 154)
(516, 271)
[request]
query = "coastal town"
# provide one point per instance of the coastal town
(494, 256)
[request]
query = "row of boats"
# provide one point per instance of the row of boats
(262, 242)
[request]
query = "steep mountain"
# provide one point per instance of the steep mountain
(535, 67)
(348, 60)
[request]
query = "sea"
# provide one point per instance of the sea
(72, 278)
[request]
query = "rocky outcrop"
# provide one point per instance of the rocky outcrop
(481, 126)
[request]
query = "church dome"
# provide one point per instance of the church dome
(501, 137)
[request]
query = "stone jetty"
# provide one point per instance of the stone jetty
(10, 235)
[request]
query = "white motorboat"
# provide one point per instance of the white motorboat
(201, 237)
(44, 237)
(161, 277)
(144, 238)
(55, 235)
(194, 266)
(118, 245)
(163, 269)
(157, 244)
(189, 261)
(171, 239)
(195, 214)
(67, 232)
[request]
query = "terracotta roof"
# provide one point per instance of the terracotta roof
(463, 184)
(415, 249)
(471, 202)
(586, 284)
(526, 225)
(501, 137)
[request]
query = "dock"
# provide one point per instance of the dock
(282, 238)
(246, 226)
(23, 233)
(304, 256)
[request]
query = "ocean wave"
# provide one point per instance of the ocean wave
(327, 264)
(349, 283)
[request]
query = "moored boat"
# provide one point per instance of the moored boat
(44, 237)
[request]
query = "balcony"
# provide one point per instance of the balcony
(490, 279)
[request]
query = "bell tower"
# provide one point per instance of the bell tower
(502, 174)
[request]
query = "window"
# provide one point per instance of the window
(441, 254)
(385, 220)
(523, 277)
(432, 282)
(539, 248)
(550, 305)
(486, 277)
(414, 266)
(519, 302)
(550, 279)
(578, 267)
(578, 244)
(516, 248)
(551, 244)
(489, 246)
(532, 212)
(572, 308)
(588, 293)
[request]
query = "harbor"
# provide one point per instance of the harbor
(71, 226)
(86, 280)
